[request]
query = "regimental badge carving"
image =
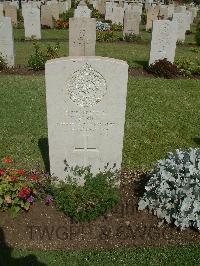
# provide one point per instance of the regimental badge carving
(86, 87)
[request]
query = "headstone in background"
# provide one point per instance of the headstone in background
(164, 12)
(69, 4)
(180, 9)
(181, 19)
(131, 22)
(46, 16)
(163, 42)
(55, 8)
(188, 19)
(1, 10)
(100, 5)
(32, 24)
(118, 15)
(194, 12)
(82, 36)
(152, 14)
(11, 11)
(170, 10)
(109, 11)
(86, 126)
(63, 7)
(82, 11)
(6, 40)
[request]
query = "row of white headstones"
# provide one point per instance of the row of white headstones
(82, 36)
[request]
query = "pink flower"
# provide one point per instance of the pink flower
(1, 172)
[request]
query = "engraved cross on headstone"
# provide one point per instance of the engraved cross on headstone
(86, 150)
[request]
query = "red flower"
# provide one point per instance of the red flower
(34, 177)
(13, 178)
(24, 193)
(2, 172)
(20, 172)
(7, 160)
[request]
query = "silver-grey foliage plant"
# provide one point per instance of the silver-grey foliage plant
(173, 190)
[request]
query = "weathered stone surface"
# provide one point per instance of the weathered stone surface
(118, 15)
(164, 12)
(109, 10)
(82, 11)
(55, 8)
(170, 10)
(6, 40)
(46, 16)
(11, 11)
(152, 14)
(32, 24)
(131, 22)
(180, 9)
(82, 36)
(181, 19)
(188, 19)
(86, 102)
(63, 7)
(1, 10)
(163, 43)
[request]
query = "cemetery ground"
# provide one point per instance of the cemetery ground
(161, 116)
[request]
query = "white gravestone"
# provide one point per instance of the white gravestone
(188, 19)
(131, 22)
(181, 19)
(82, 11)
(118, 15)
(46, 16)
(82, 36)
(109, 11)
(170, 10)
(63, 7)
(152, 14)
(32, 24)
(86, 102)
(180, 9)
(1, 10)
(163, 43)
(6, 40)
(11, 11)
(164, 12)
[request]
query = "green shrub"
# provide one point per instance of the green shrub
(144, 18)
(95, 14)
(104, 36)
(38, 59)
(188, 66)
(3, 63)
(173, 190)
(197, 35)
(117, 27)
(66, 15)
(132, 37)
(163, 68)
(85, 203)
(108, 36)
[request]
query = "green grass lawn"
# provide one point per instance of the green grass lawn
(188, 255)
(137, 55)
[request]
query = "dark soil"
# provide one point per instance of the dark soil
(45, 228)
(135, 72)
(21, 71)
